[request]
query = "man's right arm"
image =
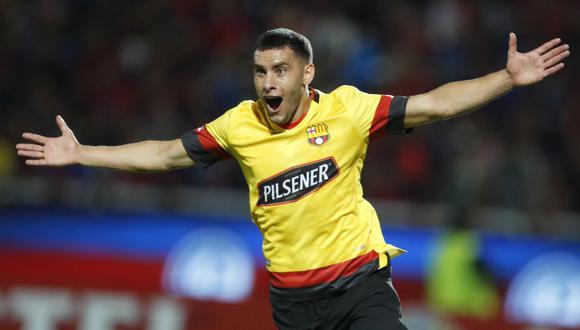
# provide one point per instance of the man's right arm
(145, 156)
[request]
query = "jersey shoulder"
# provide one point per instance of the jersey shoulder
(241, 113)
(345, 92)
(245, 108)
(354, 99)
(222, 127)
(359, 106)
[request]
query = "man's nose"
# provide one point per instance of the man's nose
(269, 82)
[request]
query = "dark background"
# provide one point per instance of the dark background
(125, 71)
(507, 176)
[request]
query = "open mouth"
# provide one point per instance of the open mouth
(273, 102)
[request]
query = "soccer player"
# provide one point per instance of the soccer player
(302, 151)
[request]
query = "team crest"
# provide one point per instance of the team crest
(317, 134)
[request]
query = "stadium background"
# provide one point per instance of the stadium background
(488, 205)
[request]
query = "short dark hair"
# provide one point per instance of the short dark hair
(281, 37)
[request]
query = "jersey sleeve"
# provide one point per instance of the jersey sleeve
(209, 143)
(374, 114)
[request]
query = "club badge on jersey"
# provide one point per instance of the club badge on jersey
(317, 134)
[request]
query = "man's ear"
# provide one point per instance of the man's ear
(309, 71)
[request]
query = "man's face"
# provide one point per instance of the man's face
(280, 78)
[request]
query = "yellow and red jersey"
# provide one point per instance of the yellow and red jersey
(304, 185)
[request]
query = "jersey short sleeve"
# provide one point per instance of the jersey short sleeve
(209, 143)
(374, 114)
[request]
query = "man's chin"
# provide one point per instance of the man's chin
(279, 119)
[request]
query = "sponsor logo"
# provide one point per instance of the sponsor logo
(317, 134)
(296, 182)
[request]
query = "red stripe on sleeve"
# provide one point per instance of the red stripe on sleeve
(209, 143)
(381, 115)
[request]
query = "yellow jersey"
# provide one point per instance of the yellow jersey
(305, 193)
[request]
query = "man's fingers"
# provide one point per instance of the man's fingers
(31, 154)
(30, 147)
(36, 162)
(555, 51)
(548, 45)
(513, 43)
(553, 69)
(35, 137)
(556, 59)
(62, 124)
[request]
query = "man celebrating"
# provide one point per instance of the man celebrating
(302, 152)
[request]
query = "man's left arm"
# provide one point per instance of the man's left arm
(458, 98)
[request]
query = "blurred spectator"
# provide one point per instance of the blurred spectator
(7, 158)
(459, 282)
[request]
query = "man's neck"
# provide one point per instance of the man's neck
(301, 111)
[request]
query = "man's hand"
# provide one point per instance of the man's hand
(45, 151)
(531, 67)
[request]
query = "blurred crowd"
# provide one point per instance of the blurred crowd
(125, 71)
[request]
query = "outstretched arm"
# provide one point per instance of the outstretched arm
(457, 98)
(66, 150)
